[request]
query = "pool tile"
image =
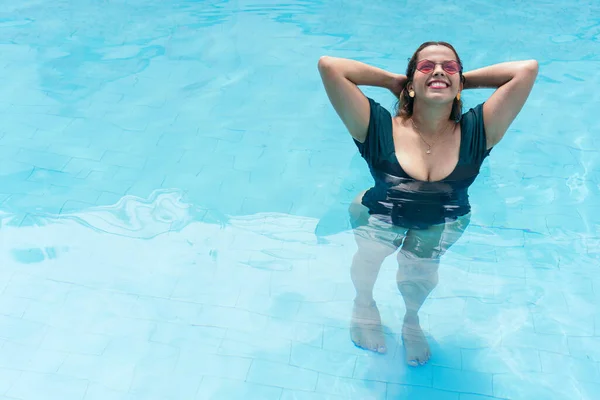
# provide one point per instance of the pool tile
(547, 386)
(122, 159)
(76, 147)
(34, 385)
(215, 365)
(282, 375)
(163, 309)
(201, 338)
(189, 291)
(589, 390)
(262, 346)
(445, 355)
(272, 306)
(320, 360)
(108, 199)
(226, 317)
(57, 177)
(13, 306)
(30, 358)
(288, 394)
(115, 327)
(351, 389)
(96, 391)
(535, 341)
(48, 121)
(219, 388)
(338, 340)
(585, 347)
(179, 140)
(381, 368)
(297, 331)
(159, 385)
(501, 360)
(462, 381)
(330, 313)
(42, 159)
(8, 377)
(114, 372)
(469, 396)
(81, 167)
(565, 324)
(22, 331)
(581, 369)
(395, 392)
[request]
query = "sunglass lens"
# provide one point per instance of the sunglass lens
(451, 67)
(425, 66)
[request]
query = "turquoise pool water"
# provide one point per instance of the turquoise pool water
(173, 196)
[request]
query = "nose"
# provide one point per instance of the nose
(438, 70)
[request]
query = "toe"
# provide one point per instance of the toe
(425, 357)
(356, 339)
(373, 345)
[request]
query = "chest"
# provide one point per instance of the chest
(426, 159)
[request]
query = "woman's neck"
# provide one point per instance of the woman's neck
(431, 120)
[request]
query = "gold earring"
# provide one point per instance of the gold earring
(411, 93)
(458, 96)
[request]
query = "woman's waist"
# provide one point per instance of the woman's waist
(412, 203)
(456, 197)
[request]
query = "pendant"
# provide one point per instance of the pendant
(428, 151)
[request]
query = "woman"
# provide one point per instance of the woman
(423, 161)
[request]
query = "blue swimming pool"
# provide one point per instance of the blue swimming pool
(174, 187)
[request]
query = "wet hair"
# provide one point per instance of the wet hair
(405, 104)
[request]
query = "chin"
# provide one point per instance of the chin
(440, 98)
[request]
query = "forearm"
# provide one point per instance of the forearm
(359, 73)
(497, 75)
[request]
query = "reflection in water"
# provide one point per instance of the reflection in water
(163, 212)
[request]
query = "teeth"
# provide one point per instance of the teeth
(438, 84)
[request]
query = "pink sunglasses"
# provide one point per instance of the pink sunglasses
(451, 67)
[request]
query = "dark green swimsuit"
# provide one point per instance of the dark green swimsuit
(411, 203)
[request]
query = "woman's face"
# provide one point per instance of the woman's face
(437, 83)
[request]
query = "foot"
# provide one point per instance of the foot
(415, 343)
(365, 329)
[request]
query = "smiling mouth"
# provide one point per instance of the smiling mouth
(438, 85)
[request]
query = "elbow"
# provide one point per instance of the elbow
(532, 67)
(324, 63)
(329, 64)
(527, 70)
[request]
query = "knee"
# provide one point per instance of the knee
(414, 266)
(425, 276)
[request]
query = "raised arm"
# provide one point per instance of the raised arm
(341, 78)
(513, 82)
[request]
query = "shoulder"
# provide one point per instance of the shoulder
(380, 119)
(377, 110)
(376, 141)
(472, 120)
(473, 128)
(474, 114)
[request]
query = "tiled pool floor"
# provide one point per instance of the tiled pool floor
(173, 195)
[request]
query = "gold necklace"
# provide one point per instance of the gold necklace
(423, 139)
